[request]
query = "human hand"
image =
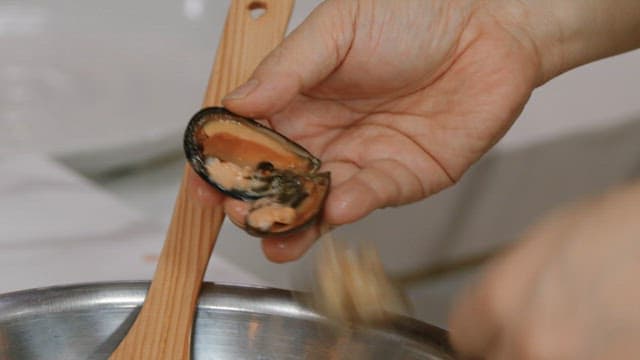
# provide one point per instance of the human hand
(568, 290)
(400, 98)
(397, 98)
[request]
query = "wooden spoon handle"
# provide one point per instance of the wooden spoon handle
(245, 42)
(163, 327)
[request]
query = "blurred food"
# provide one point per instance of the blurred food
(352, 286)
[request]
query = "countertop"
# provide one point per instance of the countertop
(59, 228)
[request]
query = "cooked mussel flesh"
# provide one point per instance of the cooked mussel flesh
(252, 162)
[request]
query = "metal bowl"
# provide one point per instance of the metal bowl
(88, 321)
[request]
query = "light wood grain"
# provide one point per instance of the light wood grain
(163, 327)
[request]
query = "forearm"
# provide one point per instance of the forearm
(569, 33)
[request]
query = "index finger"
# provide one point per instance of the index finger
(200, 191)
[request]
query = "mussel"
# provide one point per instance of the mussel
(251, 162)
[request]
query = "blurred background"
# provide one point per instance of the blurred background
(94, 97)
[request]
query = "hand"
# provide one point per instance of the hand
(569, 290)
(397, 98)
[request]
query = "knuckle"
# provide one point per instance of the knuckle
(535, 342)
(493, 297)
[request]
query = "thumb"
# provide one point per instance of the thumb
(307, 56)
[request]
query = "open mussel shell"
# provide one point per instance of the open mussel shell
(251, 162)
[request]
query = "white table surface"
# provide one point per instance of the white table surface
(58, 228)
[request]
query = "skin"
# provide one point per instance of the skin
(399, 98)
(393, 116)
(567, 290)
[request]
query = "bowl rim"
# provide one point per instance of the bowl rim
(213, 296)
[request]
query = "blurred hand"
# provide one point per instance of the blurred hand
(397, 98)
(569, 290)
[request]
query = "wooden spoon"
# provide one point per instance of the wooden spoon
(163, 327)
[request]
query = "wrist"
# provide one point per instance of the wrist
(570, 33)
(535, 24)
(565, 34)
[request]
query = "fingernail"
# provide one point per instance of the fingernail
(242, 90)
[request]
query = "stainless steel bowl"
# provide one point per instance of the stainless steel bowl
(88, 321)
